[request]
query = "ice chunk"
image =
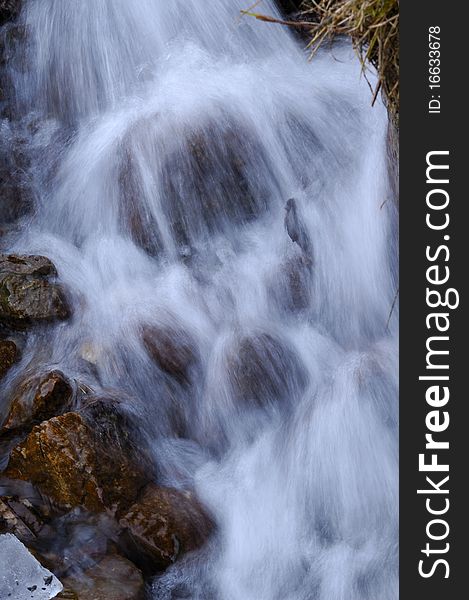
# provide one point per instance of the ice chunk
(22, 577)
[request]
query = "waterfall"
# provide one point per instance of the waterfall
(197, 180)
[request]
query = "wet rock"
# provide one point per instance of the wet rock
(86, 462)
(39, 399)
(219, 175)
(292, 285)
(9, 355)
(163, 524)
(16, 182)
(19, 517)
(295, 227)
(264, 370)
(5, 83)
(16, 198)
(6, 94)
(122, 467)
(113, 578)
(58, 458)
(9, 10)
(76, 463)
(68, 594)
(27, 265)
(75, 541)
(11, 523)
(15, 202)
(173, 350)
(137, 220)
(13, 40)
(27, 296)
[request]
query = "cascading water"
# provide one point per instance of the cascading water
(168, 138)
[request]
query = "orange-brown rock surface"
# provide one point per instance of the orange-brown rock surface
(165, 523)
(39, 398)
(67, 461)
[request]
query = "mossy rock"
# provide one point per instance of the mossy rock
(27, 294)
(9, 355)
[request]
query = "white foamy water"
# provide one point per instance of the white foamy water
(170, 136)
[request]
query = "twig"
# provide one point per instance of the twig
(392, 309)
(375, 95)
(268, 19)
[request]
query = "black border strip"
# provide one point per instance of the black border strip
(420, 133)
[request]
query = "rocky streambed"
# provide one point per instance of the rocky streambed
(71, 470)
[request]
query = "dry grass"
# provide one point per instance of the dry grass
(372, 25)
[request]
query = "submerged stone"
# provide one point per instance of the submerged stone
(221, 177)
(15, 202)
(16, 180)
(291, 284)
(173, 350)
(218, 174)
(112, 578)
(264, 370)
(136, 218)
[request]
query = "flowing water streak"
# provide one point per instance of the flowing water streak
(171, 134)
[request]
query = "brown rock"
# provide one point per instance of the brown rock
(77, 465)
(172, 350)
(27, 296)
(26, 265)
(38, 399)
(9, 355)
(122, 469)
(165, 523)
(113, 578)
(58, 458)
(19, 517)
